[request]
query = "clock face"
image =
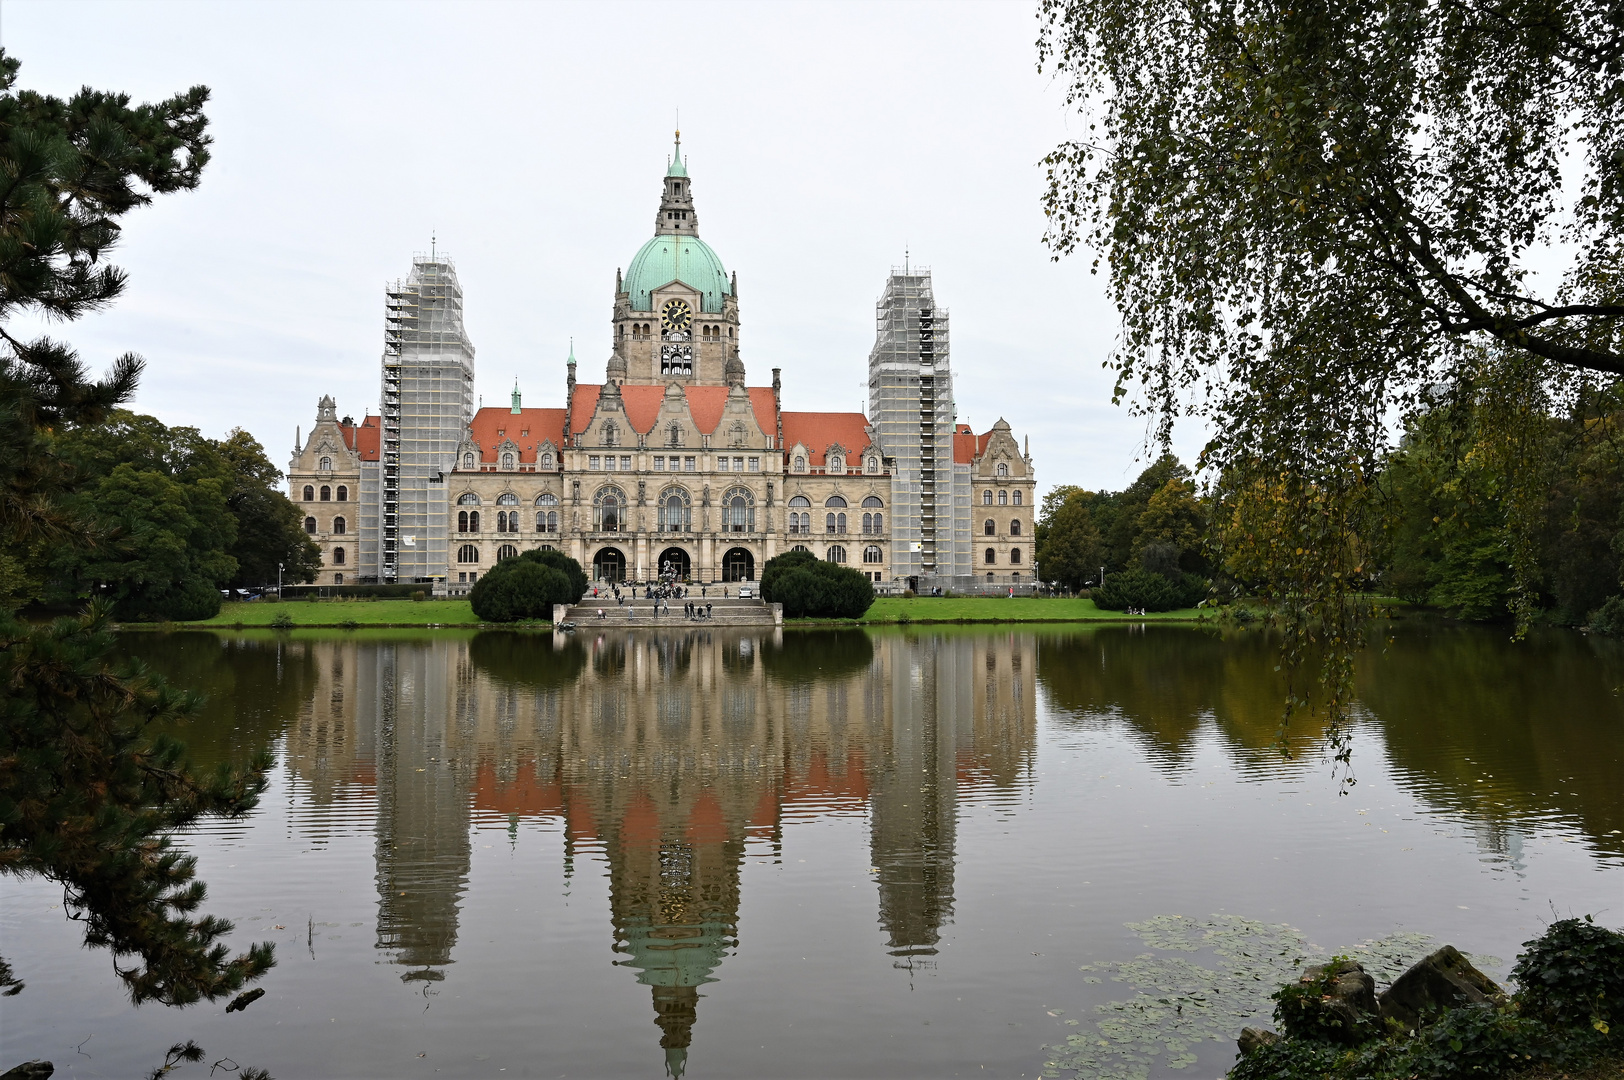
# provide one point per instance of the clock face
(676, 317)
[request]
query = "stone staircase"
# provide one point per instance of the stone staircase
(725, 611)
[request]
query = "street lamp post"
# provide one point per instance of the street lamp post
(279, 581)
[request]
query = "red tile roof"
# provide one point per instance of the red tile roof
(528, 429)
(820, 430)
(642, 403)
(364, 439)
(964, 445)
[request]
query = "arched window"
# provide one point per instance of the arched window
(675, 512)
(986, 497)
(546, 521)
(506, 551)
(507, 460)
(339, 525)
(829, 522)
(873, 500)
(325, 464)
(608, 509)
(836, 553)
(1016, 499)
(473, 521)
(798, 522)
(546, 498)
(873, 464)
(468, 461)
(462, 521)
(547, 460)
(800, 463)
(739, 511)
(1015, 527)
(988, 528)
(837, 464)
(1003, 498)
(326, 493)
(338, 556)
(468, 498)
(673, 435)
(611, 434)
(310, 526)
(507, 498)
(873, 554)
(468, 553)
(800, 501)
(992, 557)
(834, 500)
(879, 523)
(1015, 556)
(343, 493)
(338, 579)
(501, 521)
(309, 493)
(868, 523)
(1003, 469)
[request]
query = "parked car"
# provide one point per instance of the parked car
(747, 590)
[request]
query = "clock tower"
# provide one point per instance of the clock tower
(676, 313)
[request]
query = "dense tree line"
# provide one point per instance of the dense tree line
(1157, 525)
(177, 517)
(1449, 524)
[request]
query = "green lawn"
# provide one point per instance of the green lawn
(892, 609)
(887, 609)
(339, 612)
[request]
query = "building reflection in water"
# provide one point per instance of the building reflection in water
(667, 751)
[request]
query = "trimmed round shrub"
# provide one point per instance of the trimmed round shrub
(526, 586)
(1147, 590)
(808, 587)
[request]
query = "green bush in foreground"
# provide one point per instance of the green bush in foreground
(808, 587)
(1571, 983)
(527, 586)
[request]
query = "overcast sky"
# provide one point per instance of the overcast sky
(823, 140)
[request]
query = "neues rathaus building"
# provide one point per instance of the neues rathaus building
(673, 461)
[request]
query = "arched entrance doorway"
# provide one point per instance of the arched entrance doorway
(673, 561)
(609, 564)
(738, 565)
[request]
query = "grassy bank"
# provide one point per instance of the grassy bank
(999, 609)
(346, 613)
(887, 610)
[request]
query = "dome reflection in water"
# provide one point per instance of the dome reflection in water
(666, 752)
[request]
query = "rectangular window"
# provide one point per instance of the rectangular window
(609, 462)
(721, 464)
(659, 463)
(593, 462)
(755, 464)
(688, 464)
(625, 463)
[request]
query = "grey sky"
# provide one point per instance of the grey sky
(531, 139)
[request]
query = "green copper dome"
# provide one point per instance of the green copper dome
(673, 257)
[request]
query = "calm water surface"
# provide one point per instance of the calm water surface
(819, 854)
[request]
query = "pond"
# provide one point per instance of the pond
(837, 853)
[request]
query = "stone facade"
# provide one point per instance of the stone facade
(324, 482)
(671, 463)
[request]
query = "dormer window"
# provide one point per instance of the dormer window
(325, 464)
(507, 461)
(468, 461)
(1003, 469)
